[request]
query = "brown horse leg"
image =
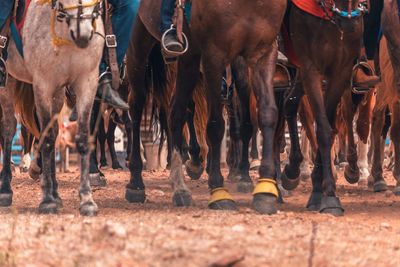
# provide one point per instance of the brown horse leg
(322, 177)
(102, 137)
(194, 166)
(290, 175)
(8, 125)
(137, 56)
(213, 68)
(351, 171)
(110, 142)
(378, 119)
(395, 137)
(188, 75)
(262, 78)
(240, 72)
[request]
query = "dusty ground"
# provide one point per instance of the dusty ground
(157, 234)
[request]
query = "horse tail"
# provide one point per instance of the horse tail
(201, 116)
(160, 81)
(386, 91)
(24, 106)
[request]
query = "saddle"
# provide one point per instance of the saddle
(313, 8)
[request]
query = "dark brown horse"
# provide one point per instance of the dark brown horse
(225, 33)
(326, 49)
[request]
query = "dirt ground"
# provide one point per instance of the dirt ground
(158, 234)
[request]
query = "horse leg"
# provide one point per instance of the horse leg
(323, 180)
(194, 166)
(84, 102)
(49, 129)
(128, 130)
(137, 55)
(110, 142)
(377, 140)
(8, 125)
(351, 171)
(96, 177)
(235, 142)
(265, 193)
(305, 171)
(241, 77)
(395, 137)
(188, 75)
(28, 140)
(102, 137)
(291, 173)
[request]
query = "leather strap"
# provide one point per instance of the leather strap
(5, 32)
(111, 49)
(179, 10)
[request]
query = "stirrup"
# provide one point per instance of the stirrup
(363, 66)
(172, 56)
(3, 41)
(289, 78)
(4, 84)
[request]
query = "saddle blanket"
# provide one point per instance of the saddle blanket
(312, 7)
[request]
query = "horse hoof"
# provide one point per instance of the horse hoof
(396, 190)
(233, 176)
(245, 186)
(264, 203)
(305, 176)
(34, 171)
(135, 195)
(224, 204)
(363, 182)
(182, 198)
(88, 209)
(48, 207)
(116, 166)
(380, 186)
(59, 202)
(194, 170)
(314, 202)
(5, 200)
(331, 205)
(352, 175)
(97, 180)
(255, 164)
(287, 183)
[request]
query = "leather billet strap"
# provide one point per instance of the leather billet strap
(111, 43)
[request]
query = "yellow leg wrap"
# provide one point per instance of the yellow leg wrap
(266, 186)
(218, 194)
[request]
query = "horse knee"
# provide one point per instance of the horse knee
(81, 141)
(268, 117)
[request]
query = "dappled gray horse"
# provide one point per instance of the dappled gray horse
(61, 48)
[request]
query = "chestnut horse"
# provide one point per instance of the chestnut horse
(326, 49)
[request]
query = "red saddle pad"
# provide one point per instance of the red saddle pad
(312, 7)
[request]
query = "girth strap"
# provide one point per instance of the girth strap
(111, 44)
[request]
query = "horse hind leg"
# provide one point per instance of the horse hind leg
(102, 137)
(7, 125)
(110, 142)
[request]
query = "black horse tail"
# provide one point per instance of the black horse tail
(160, 83)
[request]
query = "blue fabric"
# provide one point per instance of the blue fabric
(5, 11)
(123, 18)
(167, 11)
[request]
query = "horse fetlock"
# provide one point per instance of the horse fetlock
(182, 198)
(6, 199)
(88, 208)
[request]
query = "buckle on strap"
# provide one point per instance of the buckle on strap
(3, 41)
(111, 40)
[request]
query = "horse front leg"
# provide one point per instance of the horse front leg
(291, 173)
(242, 83)
(377, 141)
(102, 137)
(188, 76)
(395, 136)
(213, 68)
(351, 171)
(49, 129)
(194, 166)
(111, 146)
(265, 193)
(8, 124)
(85, 90)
